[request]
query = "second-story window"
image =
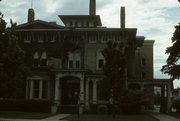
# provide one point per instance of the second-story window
(143, 75)
(36, 59)
(143, 61)
(70, 63)
(77, 64)
(74, 60)
(100, 63)
(43, 59)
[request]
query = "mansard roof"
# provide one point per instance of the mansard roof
(39, 24)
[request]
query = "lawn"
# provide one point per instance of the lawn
(177, 115)
(140, 117)
(24, 115)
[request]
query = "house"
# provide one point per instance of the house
(61, 77)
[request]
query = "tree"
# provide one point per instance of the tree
(12, 69)
(172, 66)
(115, 55)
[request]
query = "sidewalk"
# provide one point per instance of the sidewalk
(164, 117)
(53, 118)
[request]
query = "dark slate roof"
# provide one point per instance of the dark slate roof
(68, 17)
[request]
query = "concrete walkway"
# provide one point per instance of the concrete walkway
(164, 117)
(53, 118)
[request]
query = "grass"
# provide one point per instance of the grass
(140, 117)
(177, 115)
(23, 115)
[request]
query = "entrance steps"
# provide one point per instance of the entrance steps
(68, 109)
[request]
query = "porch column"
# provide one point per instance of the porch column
(27, 89)
(31, 89)
(82, 90)
(163, 106)
(57, 87)
(40, 88)
(54, 106)
(81, 94)
(87, 94)
(94, 91)
(169, 103)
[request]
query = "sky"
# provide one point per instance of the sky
(154, 19)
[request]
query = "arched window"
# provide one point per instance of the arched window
(36, 59)
(100, 61)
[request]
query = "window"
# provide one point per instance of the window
(70, 64)
(143, 61)
(92, 39)
(77, 63)
(36, 59)
(82, 23)
(40, 39)
(44, 89)
(75, 23)
(43, 59)
(71, 23)
(103, 38)
(100, 63)
(143, 75)
(53, 38)
(74, 60)
(87, 23)
(27, 39)
(36, 89)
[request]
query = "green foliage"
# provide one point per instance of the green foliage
(132, 100)
(25, 105)
(57, 49)
(172, 66)
(115, 55)
(12, 70)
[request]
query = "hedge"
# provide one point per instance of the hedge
(25, 105)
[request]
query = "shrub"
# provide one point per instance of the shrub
(25, 105)
(131, 101)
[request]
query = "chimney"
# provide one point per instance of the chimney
(122, 19)
(31, 15)
(92, 7)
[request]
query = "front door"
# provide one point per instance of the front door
(69, 90)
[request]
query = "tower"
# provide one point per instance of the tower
(92, 7)
(31, 15)
(122, 18)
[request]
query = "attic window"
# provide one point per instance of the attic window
(40, 39)
(27, 39)
(53, 38)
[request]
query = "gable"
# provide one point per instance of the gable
(38, 24)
